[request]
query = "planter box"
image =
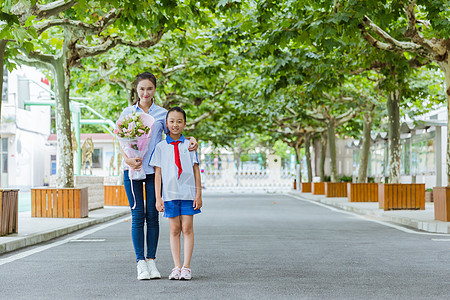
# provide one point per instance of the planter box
(428, 196)
(318, 188)
(9, 199)
(441, 198)
(336, 189)
(96, 191)
(362, 192)
(306, 187)
(115, 195)
(401, 196)
(59, 202)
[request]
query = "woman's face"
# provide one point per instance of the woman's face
(146, 90)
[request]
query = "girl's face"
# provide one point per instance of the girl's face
(146, 90)
(175, 122)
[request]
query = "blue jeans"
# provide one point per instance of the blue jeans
(143, 214)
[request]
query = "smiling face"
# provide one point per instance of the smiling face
(146, 90)
(175, 123)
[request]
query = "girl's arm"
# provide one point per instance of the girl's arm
(159, 202)
(198, 203)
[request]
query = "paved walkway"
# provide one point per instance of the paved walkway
(417, 219)
(32, 231)
(36, 230)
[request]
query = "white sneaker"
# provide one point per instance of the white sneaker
(142, 270)
(154, 273)
(185, 274)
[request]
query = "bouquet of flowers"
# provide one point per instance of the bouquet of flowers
(134, 132)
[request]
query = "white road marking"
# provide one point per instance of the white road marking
(87, 240)
(398, 227)
(58, 243)
(441, 240)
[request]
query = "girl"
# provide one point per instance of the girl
(178, 171)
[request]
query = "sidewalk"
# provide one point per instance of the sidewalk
(417, 219)
(32, 231)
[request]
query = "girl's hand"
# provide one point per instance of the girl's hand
(198, 203)
(193, 145)
(159, 205)
(134, 163)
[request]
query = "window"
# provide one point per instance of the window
(97, 158)
(52, 164)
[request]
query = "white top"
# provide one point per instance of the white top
(164, 158)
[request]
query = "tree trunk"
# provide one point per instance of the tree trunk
(308, 155)
(238, 164)
(323, 155)
(2, 59)
(446, 68)
(64, 154)
(393, 108)
(298, 146)
(332, 147)
(365, 149)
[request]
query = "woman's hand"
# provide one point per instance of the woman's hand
(159, 205)
(134, 163)
(193, 145)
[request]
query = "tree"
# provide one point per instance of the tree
(89, 30)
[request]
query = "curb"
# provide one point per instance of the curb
(44, 236)
(431, 226)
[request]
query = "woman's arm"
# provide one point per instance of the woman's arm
(198, 203)
(193, 145)
(134, 163)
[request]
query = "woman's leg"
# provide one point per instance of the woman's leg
(152, 217)
(137, 214)
(187, 228)
(175, 245)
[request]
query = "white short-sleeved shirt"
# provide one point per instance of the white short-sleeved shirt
(174, 188)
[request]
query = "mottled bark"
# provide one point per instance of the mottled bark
(445, 66)
(64, 154)
(365, 149)
(332, 148)
(323, 155)
(2, 58)
(308, 155)
(298, 147)
(393, 108)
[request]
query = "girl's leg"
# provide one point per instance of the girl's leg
(175, 245)
(137, 214)
(152, 217)
(187, 228)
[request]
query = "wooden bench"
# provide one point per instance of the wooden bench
(9, 205)
(441, 199)
(362, 192)
(306, 187)
(318, 188)
(336, 189)
(59, 202)
(115, 195)
(401, 196)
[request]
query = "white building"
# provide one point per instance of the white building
(27, 147)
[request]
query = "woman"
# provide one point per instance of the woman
(146, 212)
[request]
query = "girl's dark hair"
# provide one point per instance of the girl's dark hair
(178, 109)
(144, 76)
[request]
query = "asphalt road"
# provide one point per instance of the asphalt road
(248, 246)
